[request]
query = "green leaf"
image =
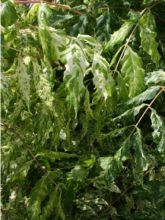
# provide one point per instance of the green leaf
(21, 172)
(103, 26)
(141, 163)
(87, 106)
(39, 193)
(80, 26)
(129, 115)
(114, 59)
(52, 42)
(112, 166)
(80, 171)
(44, 13)
(148, 2)
(147, 95)
(8, 14)
(78, 174)
(54, 202)
(24, 81)
(133, 72)
(88, 40)
(76, 67)
(119, 36)
(158, 133)
(114, 188)
(155, 78)
(32, 13)
(42, 78)
(148, 36)
(122, 89)
(55, 155)
(103, 81)
(104, 162)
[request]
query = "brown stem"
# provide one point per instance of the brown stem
(135, 126)
(125, 47)
(149, 106)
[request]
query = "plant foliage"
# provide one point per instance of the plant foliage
(83, 126)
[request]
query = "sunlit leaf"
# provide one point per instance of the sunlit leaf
(44, 13)
(78, 174)
(133, 72)
(147, 95)
(52, 41)
(119, 36)
(155, 78)
(102, 79)
(76, 67)
(32, 13)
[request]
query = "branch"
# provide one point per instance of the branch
(132, 33)
(149, 106)
(56, 5)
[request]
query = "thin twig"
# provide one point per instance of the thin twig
(132, 33)
(125, 47)
(135, 126)
(148, 107)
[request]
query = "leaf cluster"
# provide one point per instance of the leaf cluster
(83, 126)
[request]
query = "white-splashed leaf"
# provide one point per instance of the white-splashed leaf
(52, 42)
(62, 134)
(119, 36)
(102, 79)
(148, 36)
(158, 125)
(147, 95)
(155, 78)
(44, 91)
(132, 72)
(44, 13)
(32, 13)
(23, 81)
(76, 67)
(141, 163)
